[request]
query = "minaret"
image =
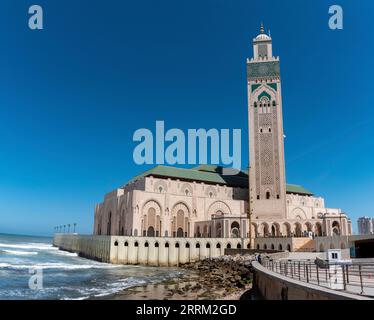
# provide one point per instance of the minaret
(267, 173)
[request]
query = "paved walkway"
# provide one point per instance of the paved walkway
(357, 278)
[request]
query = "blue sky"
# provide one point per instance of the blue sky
(72, 95)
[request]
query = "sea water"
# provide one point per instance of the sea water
(64, 275)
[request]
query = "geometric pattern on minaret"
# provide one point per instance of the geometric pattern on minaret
(266, 138)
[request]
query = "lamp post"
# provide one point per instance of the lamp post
(75, 224)
(68, 227)
(324, 223)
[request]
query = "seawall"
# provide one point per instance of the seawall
(152, 251)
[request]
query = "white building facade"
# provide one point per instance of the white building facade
(202, 202)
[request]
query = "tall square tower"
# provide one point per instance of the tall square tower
(266, 145)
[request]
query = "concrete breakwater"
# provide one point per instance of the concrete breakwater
(152, 251)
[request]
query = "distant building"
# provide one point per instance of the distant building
(365, 225)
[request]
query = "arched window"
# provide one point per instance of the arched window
(136, 244)
(187, 245)
(126, 244)
(167, 245)
(269, 129)
(218, 246)
(280, 247)
(208, 245)
(146, 245)
(267, 195)
(272, 247)
(265, 246)
(177, 245)
(288, 248)
(228, 246)
(239, 246)
(116, 243)
(255, 104)
(156, 245)
(197, 245)
(258, 247)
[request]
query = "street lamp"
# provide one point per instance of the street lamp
(75, 224)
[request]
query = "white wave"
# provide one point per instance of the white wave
(35, 246)
(65, 253)
(63, 266)
(21, 253)
(79, 298)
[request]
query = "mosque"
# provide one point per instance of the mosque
(204, 202)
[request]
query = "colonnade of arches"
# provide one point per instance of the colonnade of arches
(286, 229)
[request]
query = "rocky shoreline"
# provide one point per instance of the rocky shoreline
(223, 278)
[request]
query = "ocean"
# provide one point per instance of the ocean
(31, 268)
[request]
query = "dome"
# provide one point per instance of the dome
(262, 36)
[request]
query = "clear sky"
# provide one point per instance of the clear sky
(72, 95)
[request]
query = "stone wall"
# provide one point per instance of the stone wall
(152, 251)
(92, 247)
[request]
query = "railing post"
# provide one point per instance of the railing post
(299, 272)
(304, 269)
(344, 283)
(362, 285)
(347, 273)
(317, 274)
(291, 271)
(307, 275)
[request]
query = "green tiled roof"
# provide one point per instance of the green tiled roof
(293, 188)
(210, 174)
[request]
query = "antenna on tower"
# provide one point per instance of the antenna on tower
(262, 29)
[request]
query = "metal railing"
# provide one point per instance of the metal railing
(357, 278)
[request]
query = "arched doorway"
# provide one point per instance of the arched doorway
(150, 232)
(308, 227)
(235, 230)
(181, 221)
(264, 229)
(287, 229)
(336, 228)
(318, 229)
(180, 233)
(298, 230)
(218, 230)
(275, 232)
(151, 225)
